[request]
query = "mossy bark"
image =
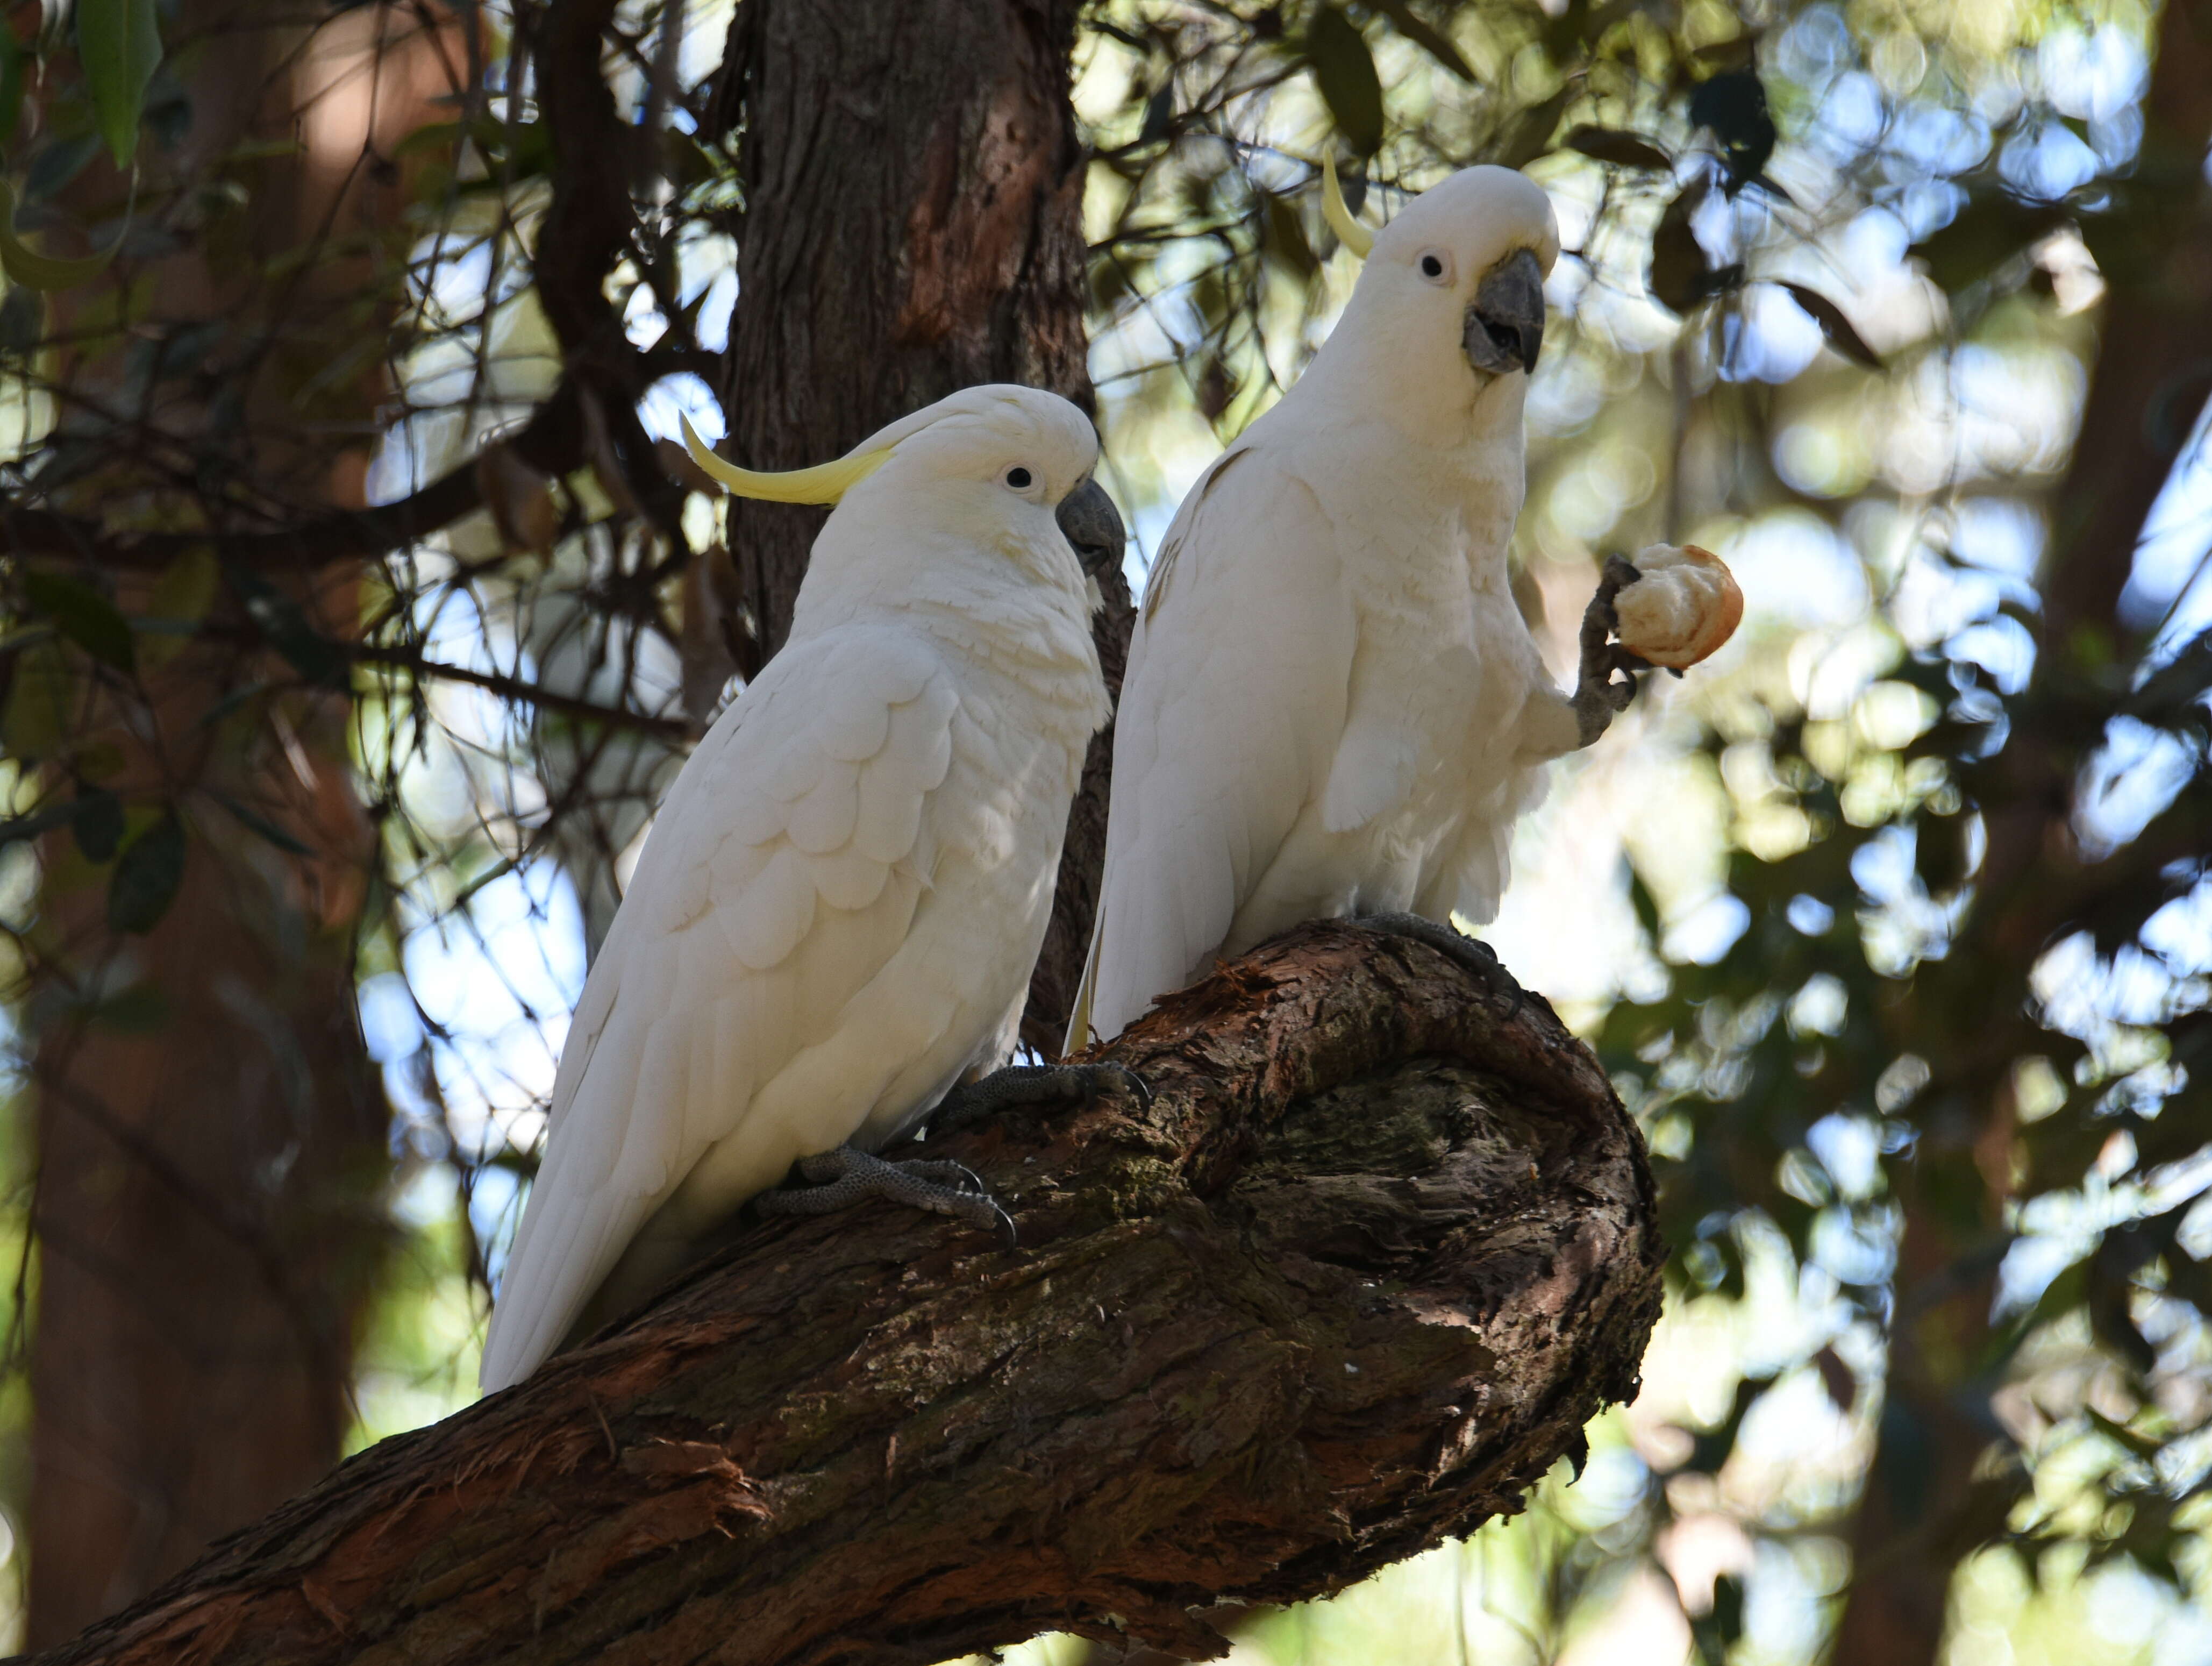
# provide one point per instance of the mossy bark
(1355, 1280)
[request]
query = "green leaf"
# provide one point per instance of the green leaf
(1427, 38)
(1345, 71)
(1992, 230)
(97, 825)
(40, 698)
(11, 84)
(147, 878)
(119, 44)
(1717, 1631)
(140, 1010)
(2146, 1447)
(84, 615)
(1606, 144)
(179, 599)
(1287, 236)
(1840, 333)
(26, 266)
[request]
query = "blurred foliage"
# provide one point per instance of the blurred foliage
(1929, 1149)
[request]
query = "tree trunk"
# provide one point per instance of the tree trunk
(913, 194)
(212, 1166)
(1354, 1281)
(1922, 1510)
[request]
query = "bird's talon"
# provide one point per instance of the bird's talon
(1131, 1083)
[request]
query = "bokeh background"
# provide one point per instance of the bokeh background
(1892, 921)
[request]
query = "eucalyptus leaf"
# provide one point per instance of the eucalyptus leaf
(97, 825)
(83, 615)
(147, 876)
(1605, 144)
(26, 266)
(118, 44)
(1345, 70)
(1841, 333)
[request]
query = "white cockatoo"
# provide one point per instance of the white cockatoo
(833, 923)
(1333, 706)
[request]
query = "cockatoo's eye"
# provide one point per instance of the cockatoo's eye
(1019, 477)
(1435, 265)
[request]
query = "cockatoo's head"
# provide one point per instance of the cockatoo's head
(1004, 468)
(1458, 275)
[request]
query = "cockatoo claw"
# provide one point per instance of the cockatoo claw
(1598, 696)
(1472, 954)
(1026, 1084)
(845, 1176)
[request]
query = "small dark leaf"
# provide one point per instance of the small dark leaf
(1988, 231)
(1709, 1448)
(1215, 388)
(2111, 1285)
(41, 701)
(11, 84)
(1732, 106)
(2146, 1447)
(1159, 114)
(1837, 1378)
(1680, 276)
(1345, 71)
(1838, 330)
(1717, 1630)
(22, 317)
(97, 825)
(83, 615)
(140, 1010)
(1606, 144)
(147, 876)
(1286, 235)
(1530, 134)
(1940, 846)
(1427, 38)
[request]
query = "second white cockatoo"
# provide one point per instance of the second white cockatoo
(1333, 706)
(830, 930)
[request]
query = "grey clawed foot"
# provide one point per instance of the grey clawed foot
(1598, 697)
(845, 1176)
(1028, 1084)
(1476, 956)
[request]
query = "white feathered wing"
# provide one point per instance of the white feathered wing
(744, 985)
(1205, 793)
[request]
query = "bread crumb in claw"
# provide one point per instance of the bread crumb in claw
(1682, 609)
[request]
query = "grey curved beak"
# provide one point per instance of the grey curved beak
(1093, 526)
(1505, 326)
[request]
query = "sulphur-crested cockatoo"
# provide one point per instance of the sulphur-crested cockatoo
(1332, 705)
(833, 922)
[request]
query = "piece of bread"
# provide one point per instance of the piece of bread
(1682, 609)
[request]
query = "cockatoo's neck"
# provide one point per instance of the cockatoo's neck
(1003, 606)
(1366, 376)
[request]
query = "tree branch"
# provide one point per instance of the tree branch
(1355, 1281)
(552, 442)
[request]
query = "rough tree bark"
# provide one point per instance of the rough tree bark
(1922, 1511)
(210, 1209)
(1358, 1277)
(913, 190)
